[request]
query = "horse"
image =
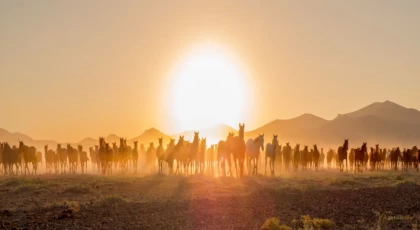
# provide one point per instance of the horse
(122, 155)
(239, 149)
(395, 155)
(253, 147)
(414, 158)
(342, 155)
(359, 156)
(160, 155)
(304, 158)
(83, 159)
(223, 154)
(73, 158)
(201, 155)
(296, 157)
(29, 156)
(49, 159)
(193, 150)
(287, 156)
(151, 152)
(270, 152)
(10, 157)
(135, 156)
(62, 153)
(172, 151)
(351, 159)
(102, 155)
(315, 157)
(322, 158)
(330, 156)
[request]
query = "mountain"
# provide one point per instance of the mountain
(14, 138)
(382, 122)
(389, 111)
(151, 135)
(385, 123)
(299, 129)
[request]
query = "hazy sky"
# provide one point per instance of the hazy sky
(71, 69)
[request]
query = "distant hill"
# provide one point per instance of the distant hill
(151, 135)
(299, 129)
(389, 111)
(385, 123)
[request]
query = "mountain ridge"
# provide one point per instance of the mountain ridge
(377, 122)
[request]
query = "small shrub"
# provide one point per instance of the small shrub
(274, 224)
(113, 200)
(316, 223)
(404, 182)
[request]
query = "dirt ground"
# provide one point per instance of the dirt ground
(372, 200)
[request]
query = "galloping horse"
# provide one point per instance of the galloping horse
(223, 154)
(238, 148)
(342, 155)
(296, 157)
(253, 147)
(173, 152)
(315, 157)
(83, 159)
(270, 152)
(29, 156)
(160, 154)
(359, 155)
(287, 156)
(135, 156)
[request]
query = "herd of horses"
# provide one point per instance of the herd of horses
(195, 157)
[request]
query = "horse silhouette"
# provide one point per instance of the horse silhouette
(238, 149)
(135, 156)
(270, 152)
(359, 156)
(253, 147)
(223, 154)
(287, 156)
(342, 155)
(160, 154)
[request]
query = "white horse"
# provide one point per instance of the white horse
(270, 152)
(253, 147)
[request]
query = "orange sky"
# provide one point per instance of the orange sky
(74, 69)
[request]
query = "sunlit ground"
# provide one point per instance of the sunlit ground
(199, 201)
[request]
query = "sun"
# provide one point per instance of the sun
(209, 88)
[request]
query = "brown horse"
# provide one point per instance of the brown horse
(83, 159)
(223, 154)
(342, 155)
(287, 156)
(49, 159)
(29, 156)
(359, 156)
(62, 153)
(173, 152)
(315, 157)
(135, 156)
(160, 155)
(238, 148)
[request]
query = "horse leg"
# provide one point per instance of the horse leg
(265, 171)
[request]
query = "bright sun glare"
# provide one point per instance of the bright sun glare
(209, 88)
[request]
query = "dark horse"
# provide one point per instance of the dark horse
(342, 154)
(238, 148)
(359, 156)
(223, 154)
